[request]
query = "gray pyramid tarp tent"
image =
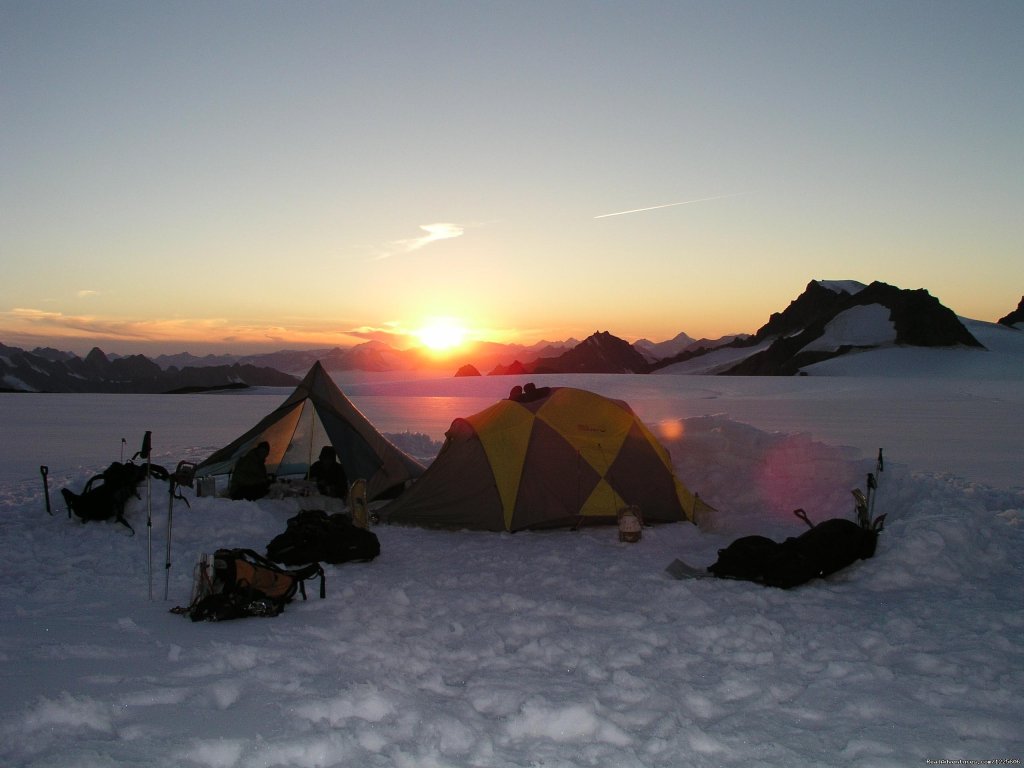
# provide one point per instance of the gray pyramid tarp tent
(316, 414)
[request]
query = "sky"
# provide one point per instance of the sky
(236, 177)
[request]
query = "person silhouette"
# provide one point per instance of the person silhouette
(329, 474)
(249, 478)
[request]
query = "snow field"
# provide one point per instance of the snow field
(533, 649)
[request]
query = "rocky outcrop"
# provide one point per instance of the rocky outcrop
(917, 319)
(599, 353)
(1016, 318)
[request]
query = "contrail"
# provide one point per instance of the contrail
(666, 205)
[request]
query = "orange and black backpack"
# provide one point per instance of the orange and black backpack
(244, 583)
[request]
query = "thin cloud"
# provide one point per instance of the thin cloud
(31, 326)
(87, 292)
(392, 333)
(442, 230)
(666, 205)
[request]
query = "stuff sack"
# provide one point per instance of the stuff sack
(105, 495)
(244, 583)
(313, 536)
(824, 549)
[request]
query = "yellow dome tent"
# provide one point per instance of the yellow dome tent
(559, 459)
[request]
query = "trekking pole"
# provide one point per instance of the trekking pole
(144, 453)
(183, 475)
(46, 488)
(167, 559)
(123, 442)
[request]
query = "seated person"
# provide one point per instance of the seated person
(329, 474)
(249, 479)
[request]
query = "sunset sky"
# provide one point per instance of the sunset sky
(242, 176)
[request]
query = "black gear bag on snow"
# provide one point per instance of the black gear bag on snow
(313, 536)
(824, 549)
(244, 583)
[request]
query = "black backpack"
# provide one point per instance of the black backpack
(313, 536)
(244, 583)
(105, 495)
(824, 549)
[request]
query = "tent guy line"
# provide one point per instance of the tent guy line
(667, 205)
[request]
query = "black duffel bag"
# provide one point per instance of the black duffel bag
(313, 536)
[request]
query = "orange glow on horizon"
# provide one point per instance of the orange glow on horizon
(442, 336)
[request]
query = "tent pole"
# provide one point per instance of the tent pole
(309, 452)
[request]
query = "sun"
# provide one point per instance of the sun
(442, 335)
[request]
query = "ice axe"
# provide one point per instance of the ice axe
(45, 470)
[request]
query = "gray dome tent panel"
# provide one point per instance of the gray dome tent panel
(317, 413)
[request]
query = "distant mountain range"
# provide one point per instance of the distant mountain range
(829, 319)
(371, 356)
(49, 370)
